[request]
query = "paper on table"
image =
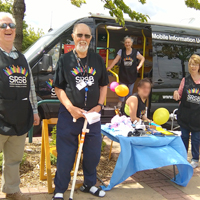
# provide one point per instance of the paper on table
(92, 117)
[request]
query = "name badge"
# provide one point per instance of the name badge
(81, 85)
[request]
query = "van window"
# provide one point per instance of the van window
(172, 59)
(54, 52)
(67, 42)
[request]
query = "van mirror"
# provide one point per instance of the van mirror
(46, 64)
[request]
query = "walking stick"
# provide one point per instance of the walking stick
(84, 131)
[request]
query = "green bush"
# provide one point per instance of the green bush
(53, 136)
(53, 159)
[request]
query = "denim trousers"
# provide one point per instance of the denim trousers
(195, 141)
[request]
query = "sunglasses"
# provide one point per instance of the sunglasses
(80, 35)
(4, 25)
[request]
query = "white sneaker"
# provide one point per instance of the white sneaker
(194, 164)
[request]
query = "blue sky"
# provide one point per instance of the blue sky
(46, 13)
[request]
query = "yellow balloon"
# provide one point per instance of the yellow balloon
(122, 90)
(161, 116)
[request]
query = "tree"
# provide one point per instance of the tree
(30, 36)
(18, 13)
(117, 8)
(5, 6)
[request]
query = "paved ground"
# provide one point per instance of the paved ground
(145, 185)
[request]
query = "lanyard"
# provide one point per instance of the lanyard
(80, 64)
(85, 68)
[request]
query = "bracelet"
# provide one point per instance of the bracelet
(102, 106)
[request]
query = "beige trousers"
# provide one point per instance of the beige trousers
(13, 150)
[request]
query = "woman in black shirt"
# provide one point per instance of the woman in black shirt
(135, 105)
(128, 66)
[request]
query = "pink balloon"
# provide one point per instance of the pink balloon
(113, 85)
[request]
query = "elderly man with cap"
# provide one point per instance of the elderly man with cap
(18, 107)
(81, 85)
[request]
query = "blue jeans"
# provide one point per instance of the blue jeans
(130, 87)
(67, 144)
(195, 140)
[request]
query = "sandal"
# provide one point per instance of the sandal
(98, 192)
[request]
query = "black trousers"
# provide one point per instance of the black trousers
(67, 144)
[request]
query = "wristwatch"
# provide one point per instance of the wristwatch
(102, 106)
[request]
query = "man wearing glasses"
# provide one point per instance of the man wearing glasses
(81, 85)
(18, 107)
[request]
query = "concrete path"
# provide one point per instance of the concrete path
(145, 185)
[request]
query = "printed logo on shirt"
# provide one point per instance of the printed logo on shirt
(128, 61)
(143, 112)
(50, 86)
(17, 76)
(193, 95)
(78, 70)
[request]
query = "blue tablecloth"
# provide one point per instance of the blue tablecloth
(150, 152)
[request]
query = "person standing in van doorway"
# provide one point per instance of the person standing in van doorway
(17, 104)
(81, 85)
(128, 66)
(189, 108)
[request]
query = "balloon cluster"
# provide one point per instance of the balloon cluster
(121, 90)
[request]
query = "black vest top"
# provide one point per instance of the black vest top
(141, 106)
(189, 108)
(16, 114)
(128, 67)
(141, 109)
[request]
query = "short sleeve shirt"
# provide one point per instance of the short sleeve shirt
(120, 53)
(68, 74)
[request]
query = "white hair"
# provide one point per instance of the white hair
(8, 15)
(128, 37)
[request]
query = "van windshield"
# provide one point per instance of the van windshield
(45, 40)
(37, 47)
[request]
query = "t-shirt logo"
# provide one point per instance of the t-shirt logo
(49, 83)
(50, 86)
(128, 61)
(78, 70)
(143, 112)
(193, 95)
(17, 76)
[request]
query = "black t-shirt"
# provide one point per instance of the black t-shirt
(68, 74)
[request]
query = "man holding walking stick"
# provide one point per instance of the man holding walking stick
(81, 85)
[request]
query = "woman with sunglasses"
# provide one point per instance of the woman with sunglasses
(189, 108)
(128, 66)
(135, 105)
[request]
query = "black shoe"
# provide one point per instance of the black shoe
(98, 191)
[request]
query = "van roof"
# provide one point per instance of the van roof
(148, 22)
